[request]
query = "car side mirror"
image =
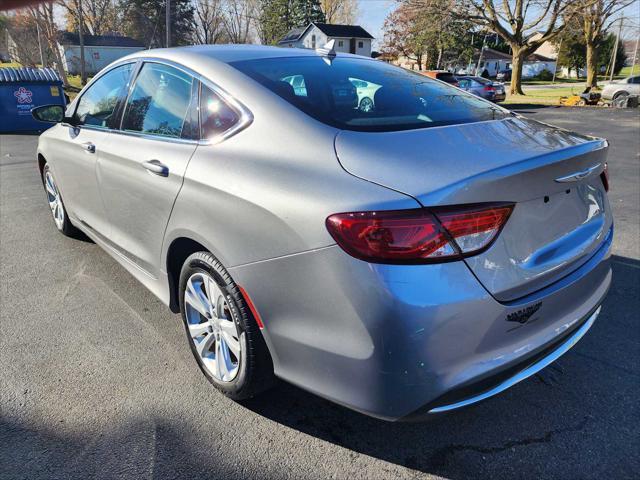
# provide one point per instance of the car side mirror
(50, 114)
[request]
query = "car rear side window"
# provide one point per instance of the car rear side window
(394, 99)
(97, 105)
(216, 117)
(160, 100)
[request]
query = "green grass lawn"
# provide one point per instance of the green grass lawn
(626, 71)
(10, 64)
(558, 80)
(544, 96)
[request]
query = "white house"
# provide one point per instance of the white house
(99, 51)
(349, 38)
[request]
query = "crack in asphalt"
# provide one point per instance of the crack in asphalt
(441, 456)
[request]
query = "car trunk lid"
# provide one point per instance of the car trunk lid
(551, 175)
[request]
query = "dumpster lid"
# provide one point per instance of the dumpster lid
(28, 74)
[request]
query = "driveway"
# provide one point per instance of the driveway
(97, 380)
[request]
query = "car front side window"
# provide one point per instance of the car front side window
(159, 102)
(97, 106)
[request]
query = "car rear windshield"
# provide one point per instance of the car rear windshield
(446, 77)
(366, 95)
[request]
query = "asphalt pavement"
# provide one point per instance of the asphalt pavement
(97, 380)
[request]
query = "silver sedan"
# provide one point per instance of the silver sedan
(621, 88)
(406, 259)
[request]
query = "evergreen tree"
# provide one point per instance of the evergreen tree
(145, 21)
(303, 12)
(275, 20)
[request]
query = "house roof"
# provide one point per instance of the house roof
(293, 35)
(72, 38)
(491, 54)
(28, 74)
(536, 57)
(329, 29)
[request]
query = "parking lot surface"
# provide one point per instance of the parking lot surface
(97, 379)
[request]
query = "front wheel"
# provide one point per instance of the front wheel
(60, 217)
(224, 337)
(366, 104)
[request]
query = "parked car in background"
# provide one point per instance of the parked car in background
(501, 93)
(297, 82)
(442, 75)
(504, 75)
(366, 93)
(479, 86)
(404, 261)
(622, 88)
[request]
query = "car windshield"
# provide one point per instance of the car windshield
(366, 95)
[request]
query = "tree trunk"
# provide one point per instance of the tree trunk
(592, 65)
(519, 54)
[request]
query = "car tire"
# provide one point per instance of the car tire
(56, 204)
(620, 95)
(366, 105)
(238, 364)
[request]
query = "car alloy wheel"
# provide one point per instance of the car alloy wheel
(366, 105)
(211, 327)
(55, 201)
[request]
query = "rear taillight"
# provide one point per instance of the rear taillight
(489, 88)
(418, 236)
(605, 177)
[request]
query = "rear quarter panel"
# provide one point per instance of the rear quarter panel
(267, 191)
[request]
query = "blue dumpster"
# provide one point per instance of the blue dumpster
(22, 89)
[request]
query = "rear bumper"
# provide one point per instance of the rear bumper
(520, 372)
(396, 341)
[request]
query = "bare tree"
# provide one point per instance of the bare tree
(44, 15)
(524, 24)
(209, 19)
(238, 19)
(405, 35)
(99, 16)
(23, 43)
(341, 12)
(595, 19)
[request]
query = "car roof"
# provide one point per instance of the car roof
(229, 53)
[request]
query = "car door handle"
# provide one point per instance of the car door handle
(89, 147)
(156, 167)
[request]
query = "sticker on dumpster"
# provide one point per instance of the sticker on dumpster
(23, 95)
(24, 98)
(55, 92)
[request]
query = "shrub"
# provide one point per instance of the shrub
(545, 75)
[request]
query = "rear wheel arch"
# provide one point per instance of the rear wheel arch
(41, 163)
(621, 93)
(179, 250)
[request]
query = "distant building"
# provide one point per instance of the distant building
(349, 38)
(99, 51)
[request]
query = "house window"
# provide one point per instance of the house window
(313, 41)
(360, 44)
(340, 43)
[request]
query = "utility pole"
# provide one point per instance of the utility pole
(83, 71)
(168, 22)
(555, 70)
(635, 56)
(484, 42)
(39, 40)
(615, 50)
